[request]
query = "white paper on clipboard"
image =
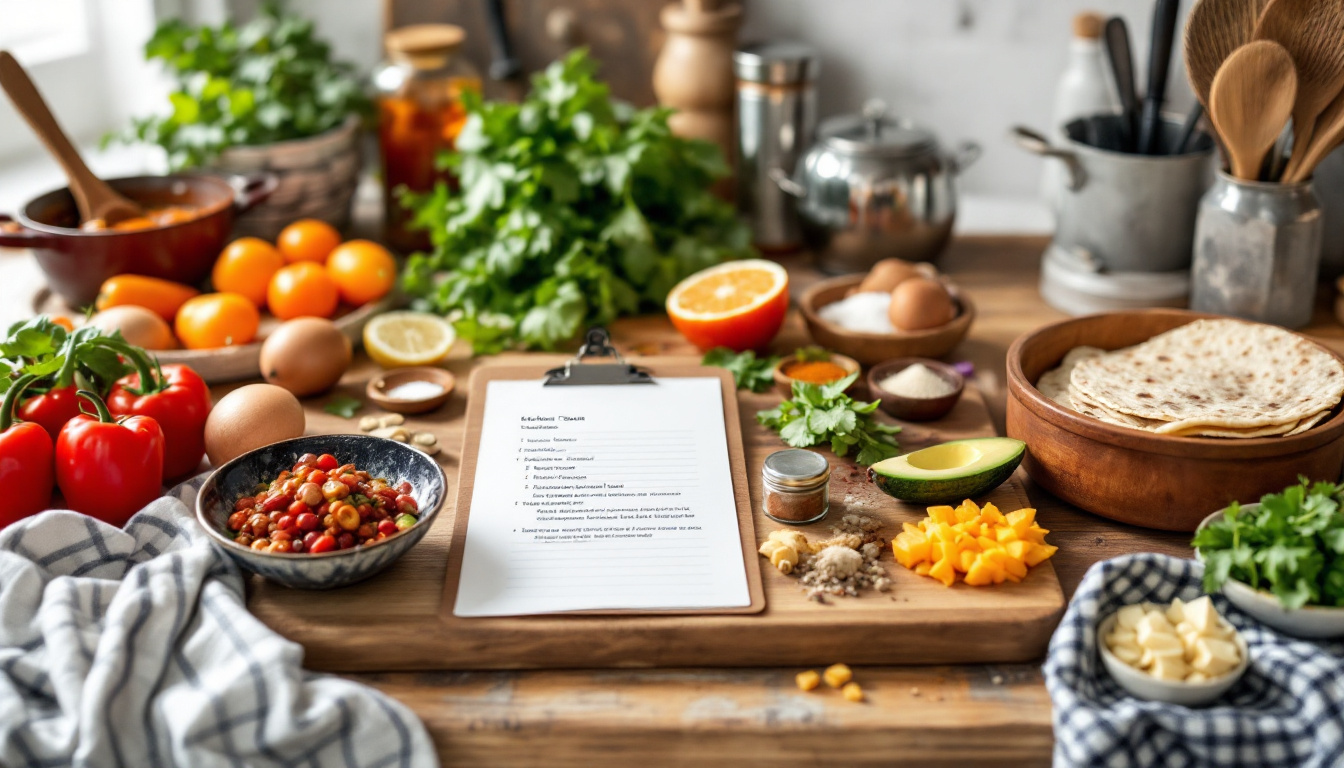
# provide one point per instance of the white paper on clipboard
(602, 498)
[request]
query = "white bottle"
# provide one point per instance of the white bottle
(1085, 88)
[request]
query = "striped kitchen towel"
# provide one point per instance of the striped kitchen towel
(1288, 709)
(133, 648)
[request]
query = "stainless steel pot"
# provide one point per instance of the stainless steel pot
(874, 187)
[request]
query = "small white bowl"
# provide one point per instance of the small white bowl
(1144, 686)
(1311, 621)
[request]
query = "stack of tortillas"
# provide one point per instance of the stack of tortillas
(1211, 378)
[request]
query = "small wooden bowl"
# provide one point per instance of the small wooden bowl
(784, 383)
(380, 385)
(915, 408)
(1157, 481)
(873, 348)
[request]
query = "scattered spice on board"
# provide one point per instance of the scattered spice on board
(852, 566)
(816, 372)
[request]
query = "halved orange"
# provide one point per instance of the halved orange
(739, 305)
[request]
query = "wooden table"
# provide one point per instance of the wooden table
(963, 715)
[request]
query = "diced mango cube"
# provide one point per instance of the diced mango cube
(808, 680)
(852, 692)
(923, 568)
(837, 675)
(991, 515)
(965, 558)
(1039, 553)
(944, 572)
(981, 573)
(944, 514)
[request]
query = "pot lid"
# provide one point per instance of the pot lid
(873, 134)
(776, 63)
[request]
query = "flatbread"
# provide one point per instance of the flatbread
(1055, 384)
(1216, 374)
(1305, 424)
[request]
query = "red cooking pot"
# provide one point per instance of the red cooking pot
(77, 262)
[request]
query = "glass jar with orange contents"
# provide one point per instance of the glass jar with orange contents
(420, 113)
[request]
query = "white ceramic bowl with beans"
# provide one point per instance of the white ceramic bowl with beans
(1144, 686)
(1311, 621)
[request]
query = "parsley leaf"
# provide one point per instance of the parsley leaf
(343, 406)
(1292, 545)
(749, 372)
(820, 414)
(572, 210)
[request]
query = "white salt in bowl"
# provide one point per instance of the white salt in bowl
(1142, 685)
(915, 408)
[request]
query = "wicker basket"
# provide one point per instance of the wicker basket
(318, 177)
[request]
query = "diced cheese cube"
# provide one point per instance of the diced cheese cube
(1129, 616)
(1154, 623)
(1146, 658)
(1164, 646)
(1121, 636)
(1128, 654)
(1196, 677)
(1201, 615)
(1214, 657)
(1169, 668)
(1149, 607)
(1175, 611)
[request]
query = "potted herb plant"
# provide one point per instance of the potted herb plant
(263, 96)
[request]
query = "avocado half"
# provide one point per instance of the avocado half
(951, 471)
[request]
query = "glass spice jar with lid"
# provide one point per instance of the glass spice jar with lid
(420, 114)
(797, 486)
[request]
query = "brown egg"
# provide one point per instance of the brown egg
(251, 417)
(920, 303)
(305, 355)
(886, 275)
(139, 327)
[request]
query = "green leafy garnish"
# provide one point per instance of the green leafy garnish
(573, 209)
(343, 406)
(269, 80)
(1292, 545)
(823, 413)
(749, 372)
(61, 358)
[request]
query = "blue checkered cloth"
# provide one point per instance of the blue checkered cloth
(1288, 709)
(133, 648)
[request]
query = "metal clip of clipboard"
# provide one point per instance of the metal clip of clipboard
(597, 343)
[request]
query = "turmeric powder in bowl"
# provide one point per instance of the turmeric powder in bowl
(816, 372)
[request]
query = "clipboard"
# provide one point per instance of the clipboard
(618, 372)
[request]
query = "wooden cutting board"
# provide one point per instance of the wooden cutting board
(401, 620)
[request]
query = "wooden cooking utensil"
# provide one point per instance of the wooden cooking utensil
(1214, 30)
(1250, 102)
(1313, 33)
(1116, 37)
(95, 199)
(1329, 134)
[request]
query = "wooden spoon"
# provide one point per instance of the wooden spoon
(1250, 101)
(1215, 29)
(1313, 33)
(1329, 133)
(95, 199)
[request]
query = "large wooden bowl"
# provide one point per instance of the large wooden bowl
(873, 348)
(1156, 481)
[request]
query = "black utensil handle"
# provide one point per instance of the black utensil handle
(1122, 68)
(504, 66)
(1188, 130)
(1159, 62)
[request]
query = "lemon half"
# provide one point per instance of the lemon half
(403, 339)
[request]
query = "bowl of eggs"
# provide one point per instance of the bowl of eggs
(1181, 653)
(898, 309)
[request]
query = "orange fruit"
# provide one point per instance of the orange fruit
(245, 267)
(363, 271)
(739, 305)
(217, 320)
(302, 289)
(308, 240)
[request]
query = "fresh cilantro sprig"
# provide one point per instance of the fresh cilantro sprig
(344, 406)
(572, 209)
(269, 80)
(749, 372)
(1292, 545)
(823, 413)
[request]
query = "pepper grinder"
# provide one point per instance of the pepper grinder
(694, 71)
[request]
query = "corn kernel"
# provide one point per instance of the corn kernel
(852, 692)
(807, 680)
(837, 675)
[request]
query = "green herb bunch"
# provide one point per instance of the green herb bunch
(573, 210)
(1292, 545)
(748, 371)
(269, 80)
(822, 413)
(60, 358)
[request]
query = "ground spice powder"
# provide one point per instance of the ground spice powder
(816, 372)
